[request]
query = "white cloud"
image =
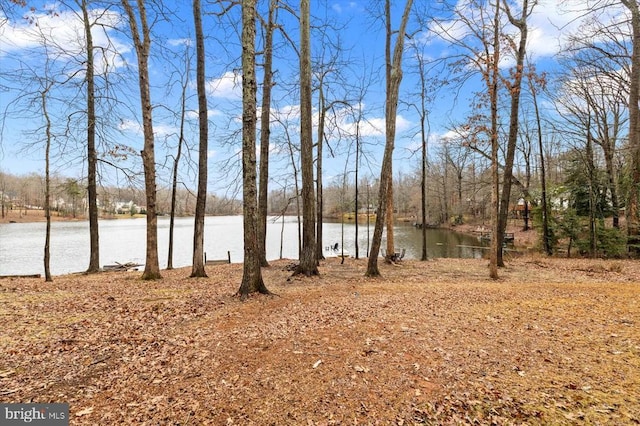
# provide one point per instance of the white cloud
(159, 130)
(452, 134)
(342, 7)
(368, 126)
(553, 22)
(340, 124)
(127, 125)
(283, 114)
(63, 33)
(193, 114)
(180, 42)
(550, 25)
(228, 86)
(162, 130)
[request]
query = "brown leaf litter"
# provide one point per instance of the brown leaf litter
(554, 341)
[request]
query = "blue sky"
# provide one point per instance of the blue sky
(354, 22)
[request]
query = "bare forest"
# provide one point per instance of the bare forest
(497, 117)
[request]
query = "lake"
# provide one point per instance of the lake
(123, 240)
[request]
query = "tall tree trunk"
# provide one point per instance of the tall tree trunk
(445, 189)
(265, 132)
(296, 189)
(176, 162)
(592, 189)
(390, 133)
(492, 82)
(319, 195)
(357, 194)
(94, 245)
(308, 262)
(252, 281)
(633, 213)
(612, 181)
(546, 236)
(515, 90)
(47, 188)
(389, 217)
(393, 87)
(142, 43)
(423, 160)
(197, 268)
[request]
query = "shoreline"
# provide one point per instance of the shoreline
(34, 216)
(37, 216)
(524, 240)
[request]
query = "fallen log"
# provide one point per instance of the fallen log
(21, 276)
(121, 267)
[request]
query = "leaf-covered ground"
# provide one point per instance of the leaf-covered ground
(553, 341)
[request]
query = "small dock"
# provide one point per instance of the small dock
(509, 237)
(217, 261)
(428, 225)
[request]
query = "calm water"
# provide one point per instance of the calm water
(123, 240)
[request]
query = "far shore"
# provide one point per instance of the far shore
(30, 216)
(527, 240)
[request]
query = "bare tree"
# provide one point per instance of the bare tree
(537, 83)
(142, 42)
(265, 131)
(359, 120)
(492, 76)
(421, 109)
(606, 64)
(291, 148)
(252, 281)
(47, 184)
(389, 130)
(328, 70)
(197, 268)
(476, 33)
(393, 88)
(633, 212)
(184, 82)
(590, 106)
(515, 91)
(308, 262)
(92, 158)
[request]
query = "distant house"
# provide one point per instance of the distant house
(124, 207)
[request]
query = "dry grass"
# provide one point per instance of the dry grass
(551, 342)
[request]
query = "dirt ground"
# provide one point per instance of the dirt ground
(553, 341)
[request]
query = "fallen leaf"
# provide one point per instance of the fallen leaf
(84, 412)
(6, 373)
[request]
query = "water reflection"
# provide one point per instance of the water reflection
(123, 240)
(440, 242)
